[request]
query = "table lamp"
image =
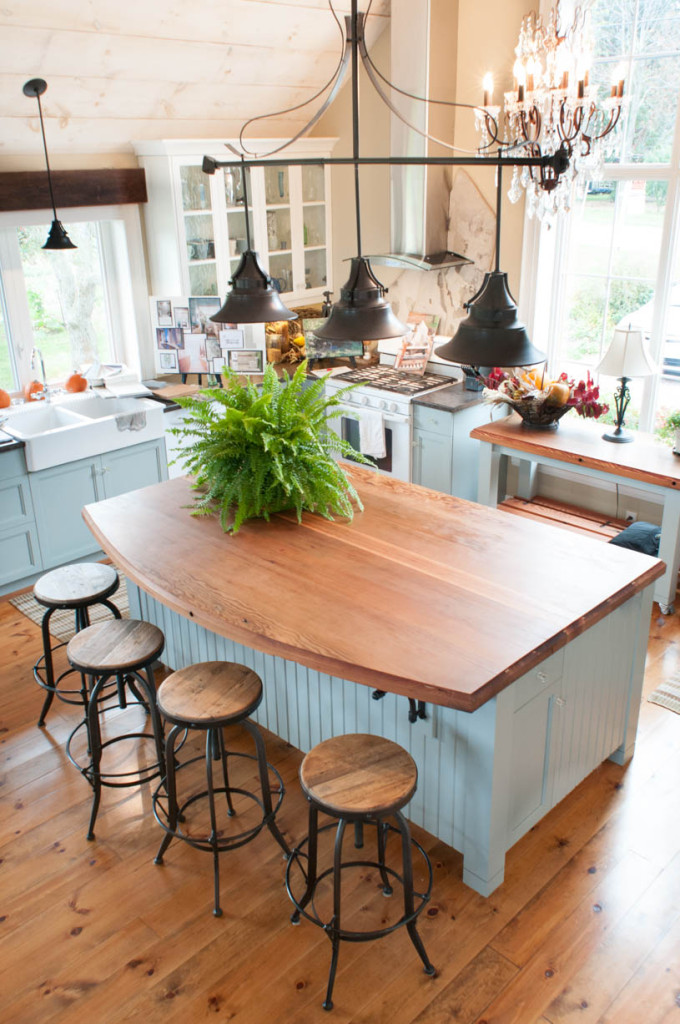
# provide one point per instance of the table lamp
(626, 357)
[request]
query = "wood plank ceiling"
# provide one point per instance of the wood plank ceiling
(122, 70)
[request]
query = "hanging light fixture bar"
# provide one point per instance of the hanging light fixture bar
(57, 238)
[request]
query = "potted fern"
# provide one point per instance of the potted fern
(256, 451)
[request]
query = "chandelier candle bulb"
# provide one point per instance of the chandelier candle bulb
(487, 85)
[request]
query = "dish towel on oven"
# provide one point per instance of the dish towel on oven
(372, 434)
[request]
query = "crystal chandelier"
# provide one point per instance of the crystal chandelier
(553, 107)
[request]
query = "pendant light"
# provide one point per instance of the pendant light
(57, 238)
(362, 312)
(253, 299)
(492, 334)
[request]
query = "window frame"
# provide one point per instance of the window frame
(123, 274)
(544, 265)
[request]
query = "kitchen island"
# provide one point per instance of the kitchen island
(527, 643)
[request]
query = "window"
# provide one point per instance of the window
(76, 306)
(615, 259)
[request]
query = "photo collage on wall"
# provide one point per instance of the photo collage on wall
(188, 341)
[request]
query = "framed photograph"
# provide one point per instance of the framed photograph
(164, 312)
(431, 320)
(169, 337)
(212, 349)
(318, 349)
(193, 358)
(182, 317)
(201, 308)
(248, 360)
(218, 365)
(167, 360)
(232, 338)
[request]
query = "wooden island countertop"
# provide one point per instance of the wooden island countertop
(422, 594)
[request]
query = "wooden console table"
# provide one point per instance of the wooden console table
(578, 445)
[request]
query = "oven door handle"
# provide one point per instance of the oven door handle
(389, 417)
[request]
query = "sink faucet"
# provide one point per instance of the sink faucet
(36, 355)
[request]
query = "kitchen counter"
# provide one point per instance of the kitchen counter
(451, 399)
(480, 614)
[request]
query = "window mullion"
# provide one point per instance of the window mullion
(20, 329)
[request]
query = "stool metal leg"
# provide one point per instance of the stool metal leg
(171, 791)
(333, 929)
(264, 785)
(382, 834)
(408, 891)
(49, 665)
(358, 835)
(95, 742)
(210, 742)
(312, 846)
(222, 752)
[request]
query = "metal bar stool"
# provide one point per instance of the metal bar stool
(77, 587)
(123, 650)
(359, 779)
(207, 697)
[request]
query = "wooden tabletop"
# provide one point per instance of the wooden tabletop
(580, 442)
(421, 594)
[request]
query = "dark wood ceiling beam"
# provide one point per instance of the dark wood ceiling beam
(28, 190)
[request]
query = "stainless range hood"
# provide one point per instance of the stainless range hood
(423, 38)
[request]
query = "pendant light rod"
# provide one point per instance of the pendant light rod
(352, 27)
(245, 203)
(499, 199)
(557, 161)
(36, 87)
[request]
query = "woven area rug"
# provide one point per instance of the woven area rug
(668, 694)
(62, 625)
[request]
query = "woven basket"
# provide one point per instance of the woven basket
(538, 414)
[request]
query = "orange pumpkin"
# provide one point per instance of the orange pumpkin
(32, 389)
(558, 393)
(5, 400)
(76, 382)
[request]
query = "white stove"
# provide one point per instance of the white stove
(385, 395)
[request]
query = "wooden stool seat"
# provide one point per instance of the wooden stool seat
(117, 645)
(359, 774)
(71, 586)
(209, 693)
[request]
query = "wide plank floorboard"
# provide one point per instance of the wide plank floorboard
(586, 926)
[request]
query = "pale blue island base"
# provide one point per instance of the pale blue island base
(487, 776)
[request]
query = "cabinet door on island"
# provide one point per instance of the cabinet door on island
(444, 455)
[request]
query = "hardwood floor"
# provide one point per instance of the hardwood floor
(585, 928)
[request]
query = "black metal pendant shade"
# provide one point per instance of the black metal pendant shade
(253, 299)
(361, 314)
(57, 238)
(491, 334)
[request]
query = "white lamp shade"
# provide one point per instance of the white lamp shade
(627, 356)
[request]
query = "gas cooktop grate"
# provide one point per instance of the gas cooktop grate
(384, 378)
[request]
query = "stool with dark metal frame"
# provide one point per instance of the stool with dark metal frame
(76, 587)
(360, 779)
(120, 650)
(209, 696)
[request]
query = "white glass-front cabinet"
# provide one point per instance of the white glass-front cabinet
(196, 229)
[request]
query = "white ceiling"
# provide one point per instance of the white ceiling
(122, 70)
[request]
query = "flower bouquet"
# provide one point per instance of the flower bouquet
(541, 402)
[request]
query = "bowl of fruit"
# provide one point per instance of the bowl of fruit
(540, 401)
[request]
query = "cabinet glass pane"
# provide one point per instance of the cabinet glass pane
(195, 189)
(278, 230)
(315, 268)
(203, 279)
(233, 186)
(314, 225)
(276, 186)
(236, 226)
(313, 184)
(200, 237)
(281, 271)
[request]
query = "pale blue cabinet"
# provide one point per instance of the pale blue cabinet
(60, 493)
(444, 455)
(19, 548)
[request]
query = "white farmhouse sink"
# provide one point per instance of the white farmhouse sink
(81, 426)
